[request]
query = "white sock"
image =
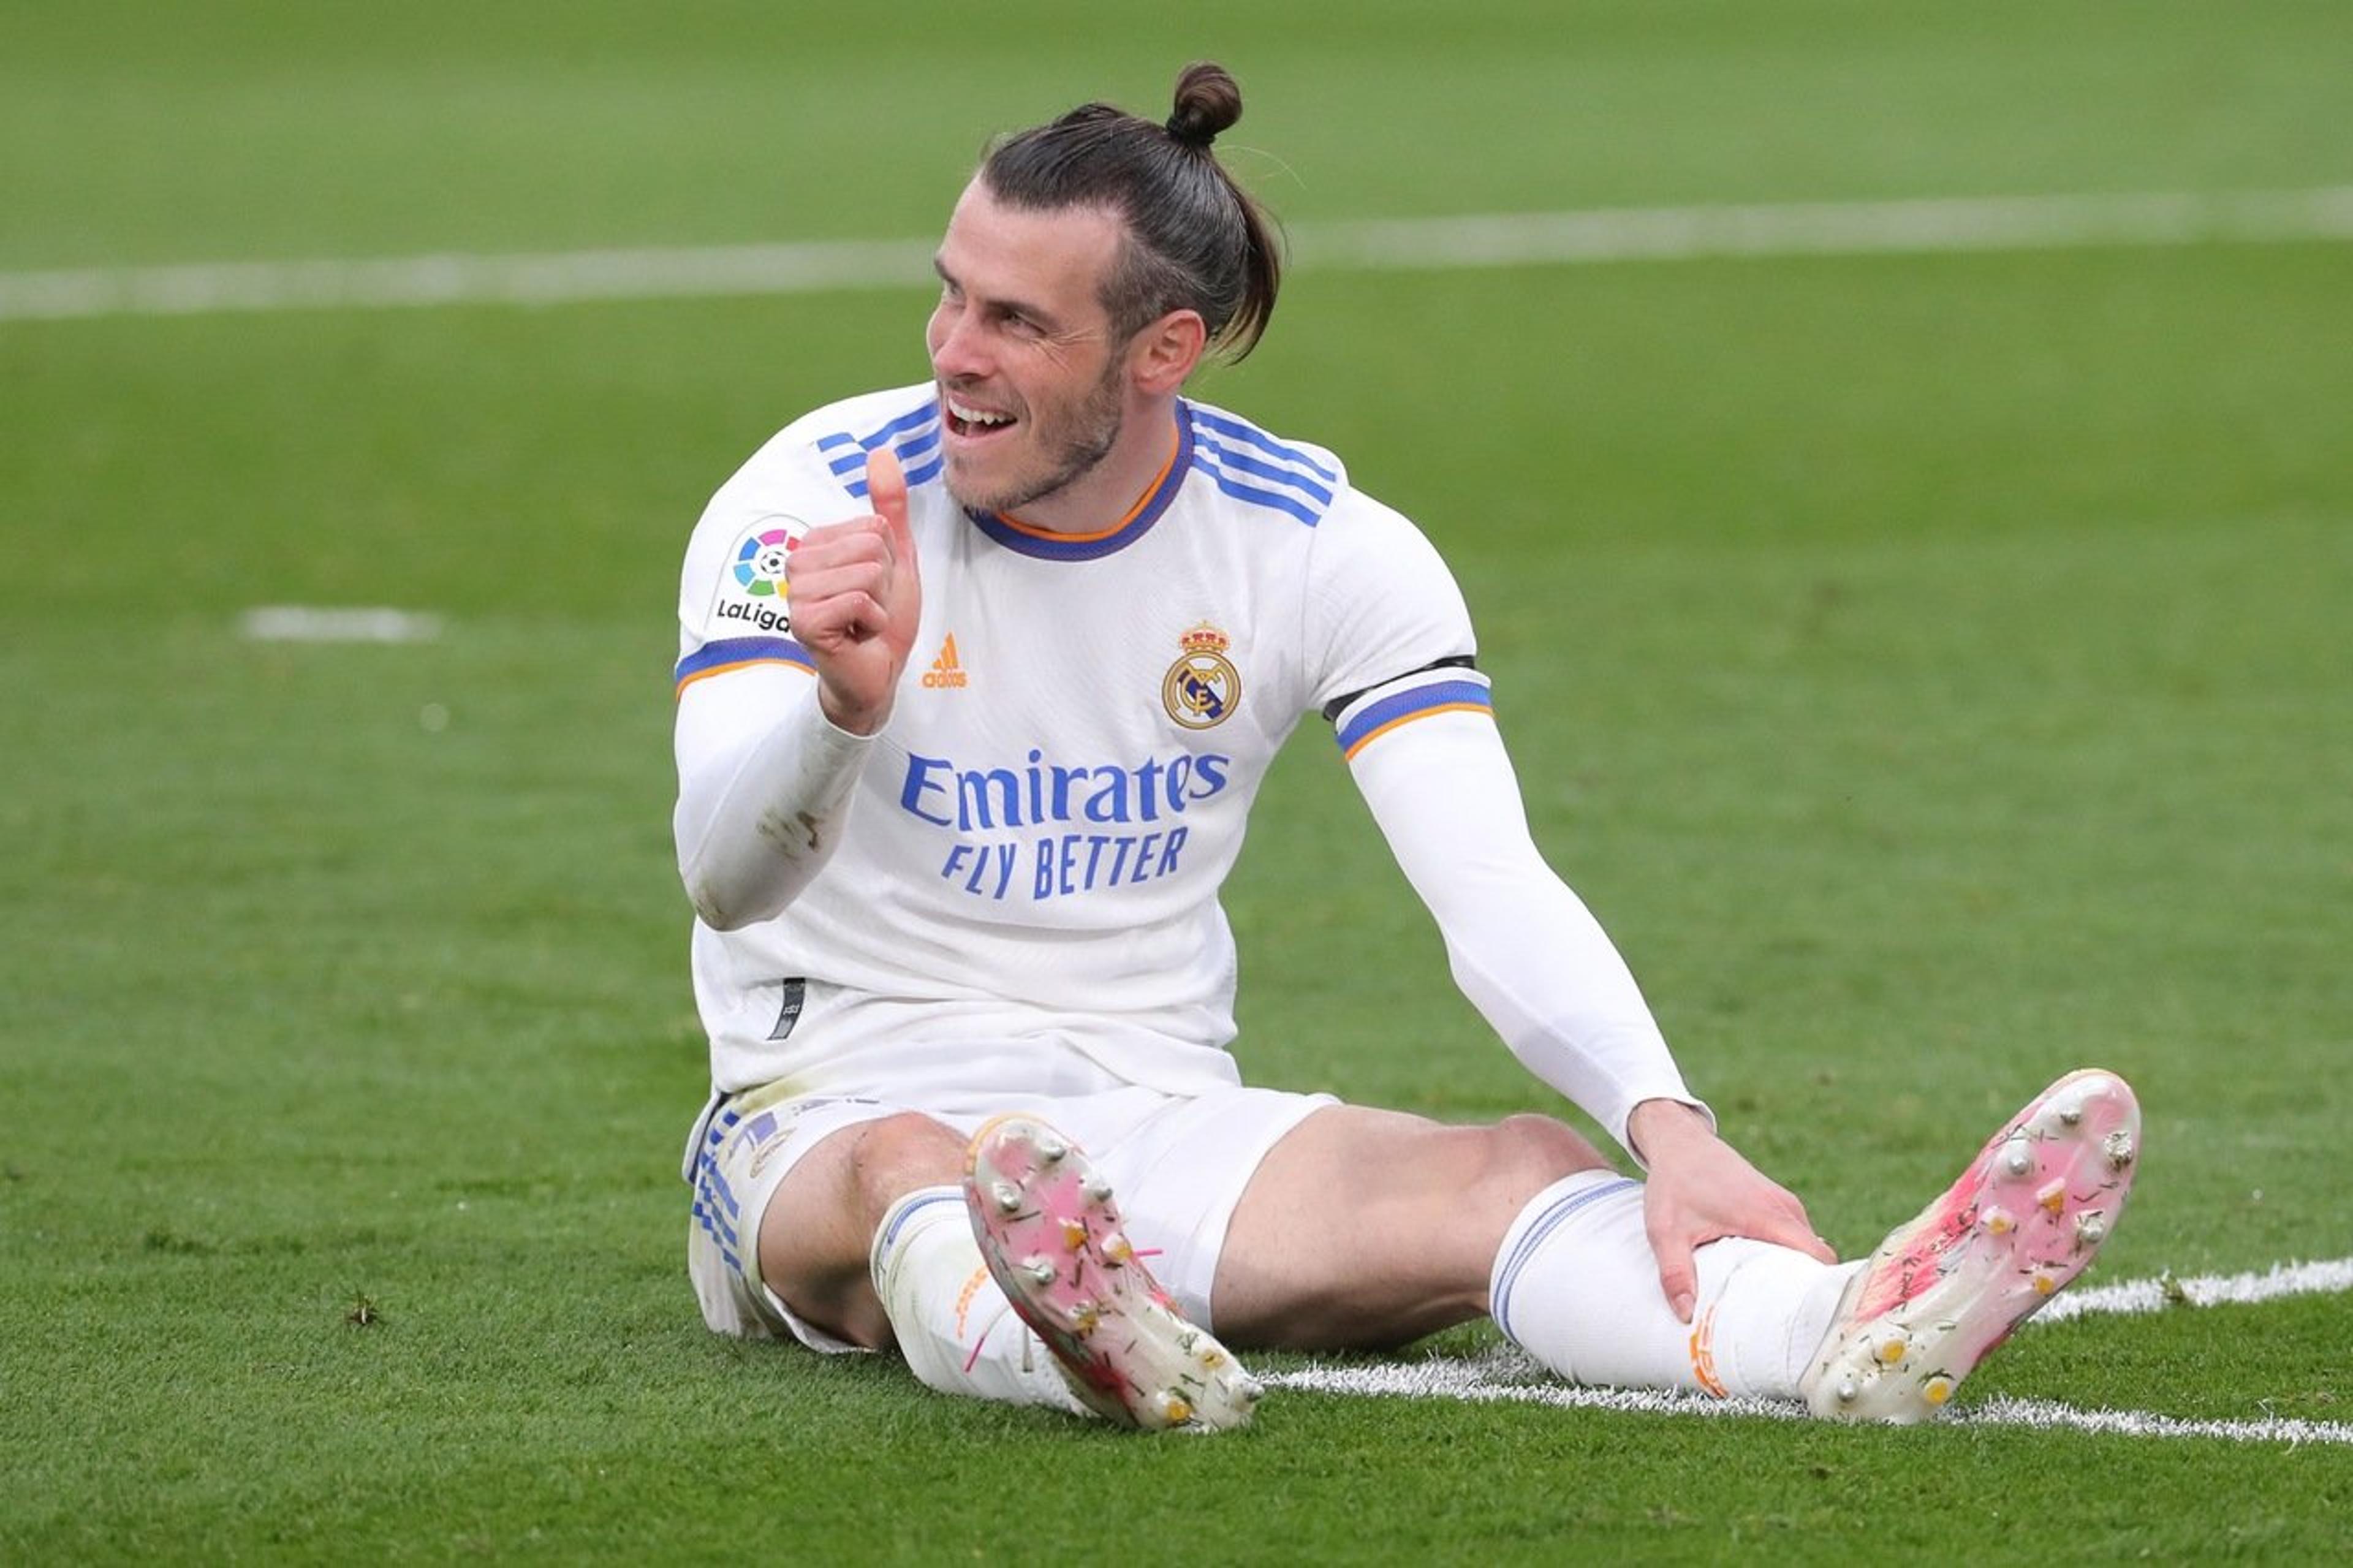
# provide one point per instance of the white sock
(1576, 1285)
(954, 1327)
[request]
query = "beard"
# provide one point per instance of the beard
(1067, 443)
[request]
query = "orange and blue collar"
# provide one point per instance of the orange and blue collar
(1028, 539)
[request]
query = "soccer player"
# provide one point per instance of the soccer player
(978, 678)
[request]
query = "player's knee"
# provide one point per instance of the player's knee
(894, 1155)
(817, 1233)
(1528, 1153)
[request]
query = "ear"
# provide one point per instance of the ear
(1164, 353)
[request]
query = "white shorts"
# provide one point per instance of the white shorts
(1177, 1163)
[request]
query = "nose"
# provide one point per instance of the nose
(955, 346)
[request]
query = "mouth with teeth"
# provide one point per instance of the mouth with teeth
(968, 421)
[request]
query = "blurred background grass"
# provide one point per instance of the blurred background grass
(1931, 668)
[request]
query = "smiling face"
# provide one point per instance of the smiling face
(1035, 390)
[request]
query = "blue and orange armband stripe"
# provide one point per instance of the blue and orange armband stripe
(1377, 717)
(737, 653)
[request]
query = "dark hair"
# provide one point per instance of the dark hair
(1194, 239)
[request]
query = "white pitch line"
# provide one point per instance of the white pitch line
(1510, 239)
(555, 278)
(337, 624)
(2004, 1410)
(1840, 228)
(2158, 1295)
(1506, 1376)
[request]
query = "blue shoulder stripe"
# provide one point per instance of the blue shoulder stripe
(1250, 434)
(916, 474)
(1225, 457)
(910, 442)
(920, 413)
(1251, 466)
(1307, 514)
(854, 461)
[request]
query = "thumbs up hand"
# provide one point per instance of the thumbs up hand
(855, 596)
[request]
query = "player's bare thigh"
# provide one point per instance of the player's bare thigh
(817, 1229)
(1366, 1227)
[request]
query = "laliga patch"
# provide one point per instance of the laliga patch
(1202, 688)
(751, 592)
(762, 553)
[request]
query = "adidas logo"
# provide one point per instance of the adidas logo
(947, 673)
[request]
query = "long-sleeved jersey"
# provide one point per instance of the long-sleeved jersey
(1027, 859)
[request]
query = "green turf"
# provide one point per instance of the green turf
(1934, 669)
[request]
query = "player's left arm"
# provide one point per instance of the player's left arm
(1424, 749)
(1521, 944)
(1532, 958)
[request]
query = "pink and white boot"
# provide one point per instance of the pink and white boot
(1046, 1226)
(1940, 1293)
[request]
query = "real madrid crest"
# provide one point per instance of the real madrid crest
(1202, 688)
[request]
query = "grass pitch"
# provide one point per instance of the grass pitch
(1932, 669)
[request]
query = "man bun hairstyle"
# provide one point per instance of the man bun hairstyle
(1193, 239)
(1207, 101)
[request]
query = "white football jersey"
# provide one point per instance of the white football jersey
(1035, 845)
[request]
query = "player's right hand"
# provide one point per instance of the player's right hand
(854, 597)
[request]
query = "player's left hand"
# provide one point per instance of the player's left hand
(1700, 1189)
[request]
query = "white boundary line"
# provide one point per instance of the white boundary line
(337, 624)
(1506, 1376)
(1516, 239)
(2331, 1278)
(1840, 228)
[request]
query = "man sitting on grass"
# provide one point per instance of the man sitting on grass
(978, 679)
